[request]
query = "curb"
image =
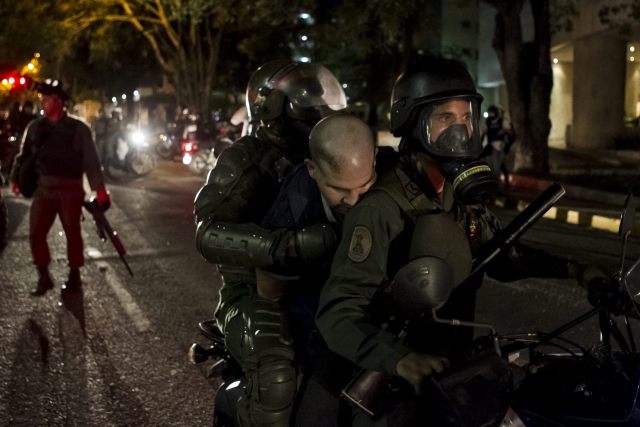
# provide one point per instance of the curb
(608, 221)
(573, 191)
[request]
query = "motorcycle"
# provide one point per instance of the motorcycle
(539, 379)
(128, 151)
(534, 379)
(167, 146)
(201, 154)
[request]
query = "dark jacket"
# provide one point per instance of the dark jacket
(65, 151)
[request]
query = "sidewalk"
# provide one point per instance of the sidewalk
(595, 182)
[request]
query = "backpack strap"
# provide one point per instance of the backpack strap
(405, 193)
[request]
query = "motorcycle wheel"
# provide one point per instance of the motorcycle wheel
(141, 163)
(200, 163)
(165, 150)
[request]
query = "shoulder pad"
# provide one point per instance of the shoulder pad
(235, 160)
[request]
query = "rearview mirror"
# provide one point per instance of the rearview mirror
(421, 285)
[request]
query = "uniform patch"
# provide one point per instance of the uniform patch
(360, 246)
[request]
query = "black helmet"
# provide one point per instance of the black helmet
(53, 88)
(298, 87)
(435, 108)
(430, 81)
(418, 93)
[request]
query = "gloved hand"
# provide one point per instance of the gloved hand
(15, 188)
(414, 367)
(103, 198)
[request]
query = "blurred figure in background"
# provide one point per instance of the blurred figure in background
(499, 140)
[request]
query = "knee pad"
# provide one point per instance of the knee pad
(276, 384)
(271, 391)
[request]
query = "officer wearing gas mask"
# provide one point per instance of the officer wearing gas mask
(429, 205)
(285, 100)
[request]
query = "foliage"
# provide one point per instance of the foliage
(367, 44)
(185, 36)
(621, 15)
(562, 13)
(30, 26)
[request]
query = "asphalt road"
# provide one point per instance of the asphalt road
(115, 354)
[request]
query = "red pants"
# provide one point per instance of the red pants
(47, 203)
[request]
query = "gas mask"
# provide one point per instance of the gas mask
(457, 148)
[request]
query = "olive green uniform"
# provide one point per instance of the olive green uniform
(378, 239)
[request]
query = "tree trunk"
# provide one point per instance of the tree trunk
(526, 68)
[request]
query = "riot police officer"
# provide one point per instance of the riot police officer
(285, 100)
(429, 205)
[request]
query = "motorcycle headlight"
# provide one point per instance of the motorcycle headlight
(137, 137)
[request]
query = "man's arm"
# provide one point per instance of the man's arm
(358, 269)
(227, 208)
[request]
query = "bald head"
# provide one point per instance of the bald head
(342, 160)
(339, 141)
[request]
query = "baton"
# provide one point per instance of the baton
(521, 223)
(104, 229)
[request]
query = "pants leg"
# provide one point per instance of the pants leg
(44, 209)
(70, 214)
(257, 337)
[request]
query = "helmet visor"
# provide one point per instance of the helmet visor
(450, 128)
(312, 86)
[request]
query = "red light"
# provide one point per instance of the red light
(12, 80)
(188, 147)
(22, 80)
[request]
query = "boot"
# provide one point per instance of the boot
(74, 283)
(44, 282)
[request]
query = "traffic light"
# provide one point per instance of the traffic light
(14, 82)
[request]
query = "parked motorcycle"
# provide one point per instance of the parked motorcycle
(128, 151)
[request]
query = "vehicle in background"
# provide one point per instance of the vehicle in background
(128, 151)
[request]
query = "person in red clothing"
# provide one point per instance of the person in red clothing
(65, 152)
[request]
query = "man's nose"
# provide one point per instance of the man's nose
(351, 198)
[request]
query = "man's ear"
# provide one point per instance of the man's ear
(311, 168)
